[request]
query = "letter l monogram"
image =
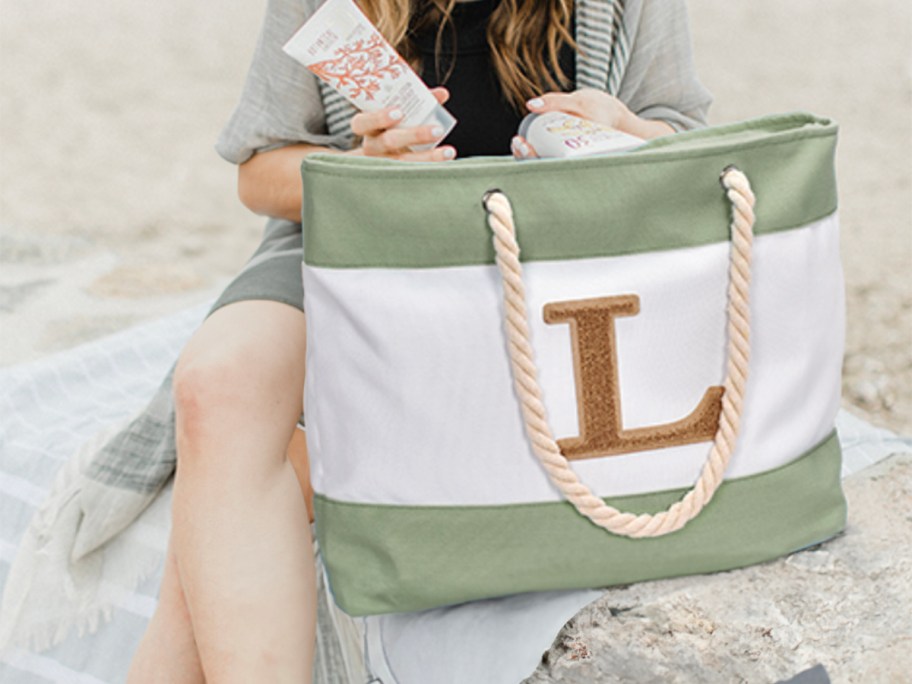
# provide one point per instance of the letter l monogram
(601, 431)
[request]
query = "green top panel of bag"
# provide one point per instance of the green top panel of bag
(364, 212)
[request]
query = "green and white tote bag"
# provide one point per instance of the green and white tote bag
(577, 380)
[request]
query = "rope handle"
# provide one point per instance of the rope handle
(525, 372)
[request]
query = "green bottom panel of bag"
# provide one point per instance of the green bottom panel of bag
(383, 558)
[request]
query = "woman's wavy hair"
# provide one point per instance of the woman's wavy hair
(525, 37)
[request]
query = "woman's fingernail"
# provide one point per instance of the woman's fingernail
(449, 152)
(437, 131)
(518, 147)
(396, 114)
(535, 103)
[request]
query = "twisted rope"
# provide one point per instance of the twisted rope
(525, 373)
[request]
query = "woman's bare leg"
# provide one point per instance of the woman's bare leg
(240, 530)
(167, 653)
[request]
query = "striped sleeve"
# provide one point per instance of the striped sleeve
(598, 25)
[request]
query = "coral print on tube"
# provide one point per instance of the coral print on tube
(342, 48)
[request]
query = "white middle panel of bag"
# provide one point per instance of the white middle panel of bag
(409, 397)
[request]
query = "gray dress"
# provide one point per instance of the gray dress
(638, 50)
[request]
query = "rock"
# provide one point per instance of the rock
(846, 604)
(865, 392)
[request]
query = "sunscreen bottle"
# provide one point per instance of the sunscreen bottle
(556, 134)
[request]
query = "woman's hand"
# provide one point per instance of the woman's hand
(381, 137)
(594, 105)
(587, 103)
(269, 183)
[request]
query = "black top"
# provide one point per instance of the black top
(486, 122)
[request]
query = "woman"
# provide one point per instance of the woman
(224, 612)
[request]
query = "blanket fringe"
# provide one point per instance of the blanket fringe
(47, 597)
(41, 637)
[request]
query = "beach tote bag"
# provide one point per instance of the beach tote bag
(559, 374)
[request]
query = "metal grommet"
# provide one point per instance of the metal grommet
(730, 167)
(487, 196)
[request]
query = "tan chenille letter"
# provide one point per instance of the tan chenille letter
(601, 431)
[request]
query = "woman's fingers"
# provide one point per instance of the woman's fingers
(522, 149)
(374, 123)
(382, 137)
(586, 103)
(441, 93)
(559, 102)
(398, 140)
(438, 154)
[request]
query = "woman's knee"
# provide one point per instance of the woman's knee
(204, 386)
(231, 383)
(228, 377)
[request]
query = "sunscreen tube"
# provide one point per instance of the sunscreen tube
(344, 50)
(555, 134)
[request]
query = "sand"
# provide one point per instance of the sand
(114, 207)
